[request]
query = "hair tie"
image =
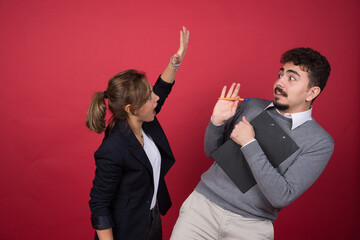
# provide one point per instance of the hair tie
(105, 94)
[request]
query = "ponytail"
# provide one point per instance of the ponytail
(95, 118)
(127, 87)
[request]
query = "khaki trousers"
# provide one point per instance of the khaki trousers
(199, 218)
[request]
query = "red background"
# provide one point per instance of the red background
(55, 54)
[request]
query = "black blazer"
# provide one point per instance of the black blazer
(123, 185)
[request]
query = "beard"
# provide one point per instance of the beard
(279, 106)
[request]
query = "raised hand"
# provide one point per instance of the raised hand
(184, 40)
(225, 109)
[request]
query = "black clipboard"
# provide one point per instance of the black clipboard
(273, 140)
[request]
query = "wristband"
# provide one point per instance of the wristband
(174, 65)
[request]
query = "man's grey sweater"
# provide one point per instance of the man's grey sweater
(275, 187)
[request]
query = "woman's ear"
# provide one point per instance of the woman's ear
(128, 109)
(313, 93)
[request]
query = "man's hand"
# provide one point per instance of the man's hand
(243, 132)
(225, 109)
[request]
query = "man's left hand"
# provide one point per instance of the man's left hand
(243, 132)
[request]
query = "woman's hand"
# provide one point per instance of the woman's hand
(105, 234)
(225, 109)
(184, 40)
(170, 71)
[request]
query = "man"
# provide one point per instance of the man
(267, 153)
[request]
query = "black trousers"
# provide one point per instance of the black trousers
(154, 229)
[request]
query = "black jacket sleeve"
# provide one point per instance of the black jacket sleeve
(162, 89)
(107, 178)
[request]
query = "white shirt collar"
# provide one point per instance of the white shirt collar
(297, 118)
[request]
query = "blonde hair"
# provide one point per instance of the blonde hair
(129, 87)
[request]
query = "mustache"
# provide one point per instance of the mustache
(282, 92)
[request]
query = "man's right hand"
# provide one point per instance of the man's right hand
(225, 109)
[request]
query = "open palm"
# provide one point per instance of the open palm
(225, 109)
(184, 40)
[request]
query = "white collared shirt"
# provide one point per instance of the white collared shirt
(297, 118)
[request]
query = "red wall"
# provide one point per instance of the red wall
(55, 54)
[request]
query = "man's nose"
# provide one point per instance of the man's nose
(281, 82)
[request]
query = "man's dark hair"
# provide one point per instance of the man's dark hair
(310, 61)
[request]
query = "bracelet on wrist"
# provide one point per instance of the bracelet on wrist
(174, 65)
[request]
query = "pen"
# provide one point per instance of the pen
(234, 99)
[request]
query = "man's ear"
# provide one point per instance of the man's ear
(313, 93)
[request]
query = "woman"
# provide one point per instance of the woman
(129, 191)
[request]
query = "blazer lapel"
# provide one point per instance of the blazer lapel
(134, 146)
(156, 132)
(153, 129)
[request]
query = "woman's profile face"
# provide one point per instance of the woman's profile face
(147, 113)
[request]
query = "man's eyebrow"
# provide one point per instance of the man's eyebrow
(294, 72)
(290, 71)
